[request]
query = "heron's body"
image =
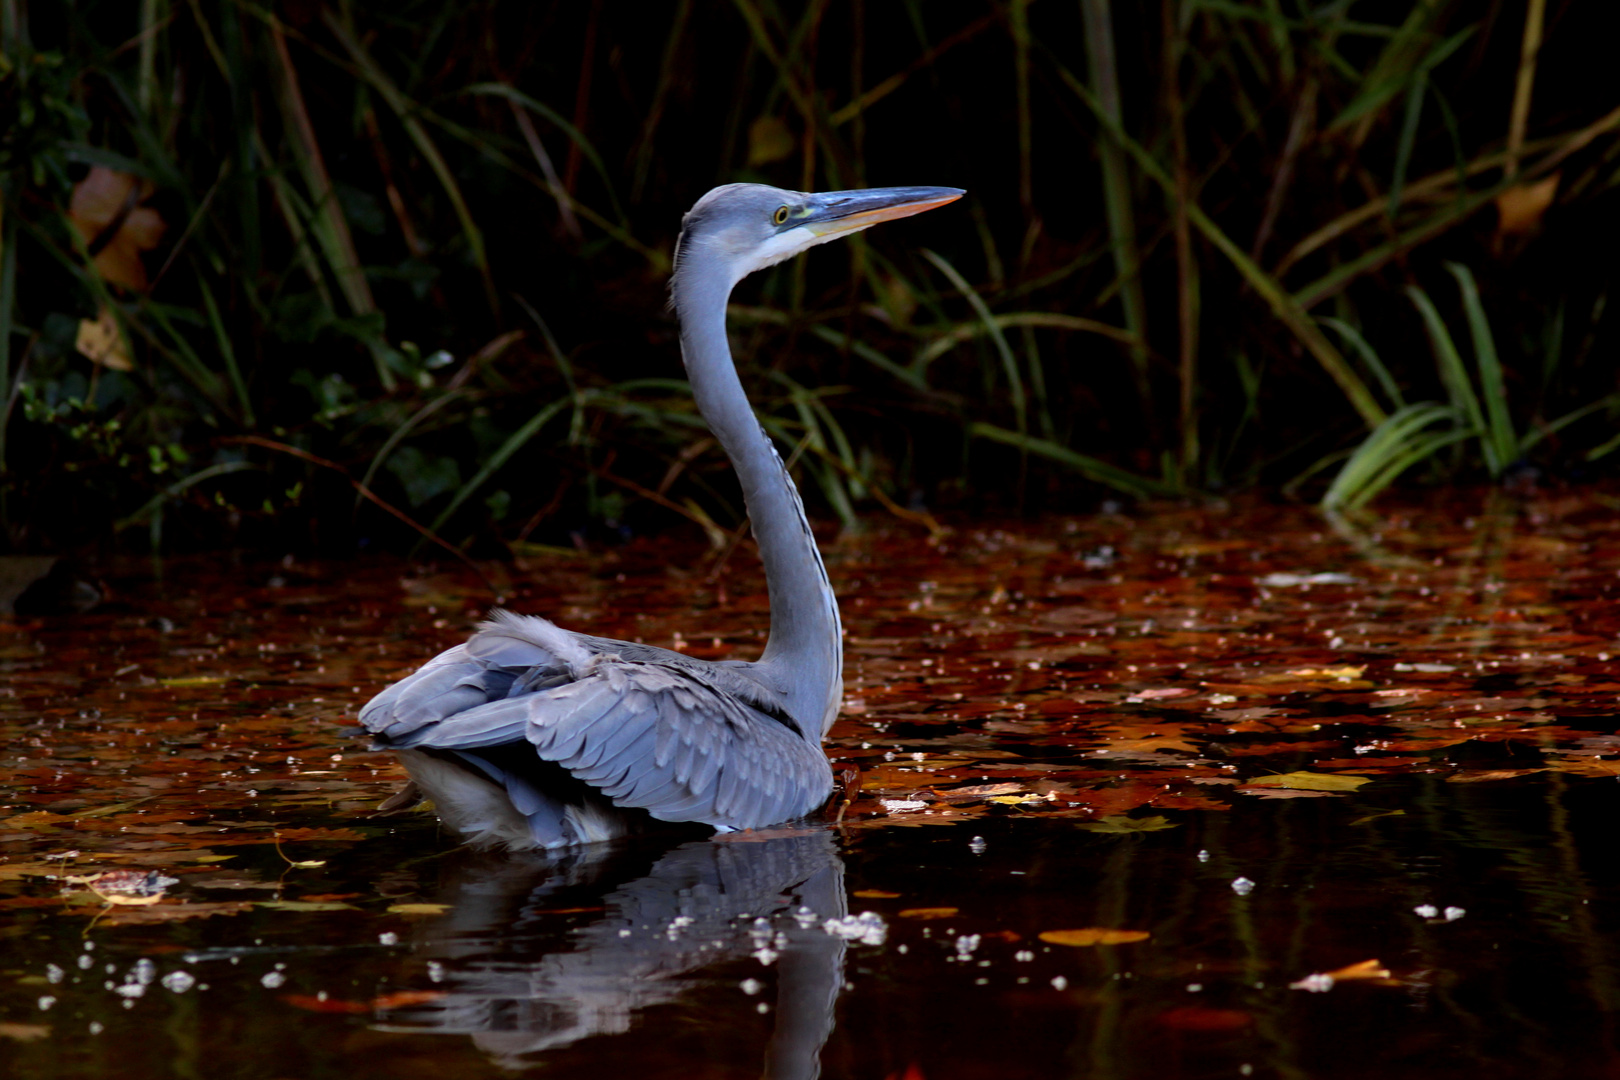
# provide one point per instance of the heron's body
(531, 736)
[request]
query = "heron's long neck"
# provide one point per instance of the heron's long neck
(805, 646)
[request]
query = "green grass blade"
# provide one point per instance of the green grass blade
(1389, 450)
(155, 504)
(839, 340)
(1285, 306)
(227, 352)
(1491, 383)
(1369, 356)
(1092, 468)
(515, 442)
(1455, 375)
(405, 109)
(8, 308)
(1009, 362)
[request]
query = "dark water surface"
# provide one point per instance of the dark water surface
(1323, 804)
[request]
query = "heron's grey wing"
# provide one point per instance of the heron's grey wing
(663, 738)
(654, 736)
(477, 672)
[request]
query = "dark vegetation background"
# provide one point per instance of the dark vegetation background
(326, 275)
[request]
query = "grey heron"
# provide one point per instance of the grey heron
(528, 736)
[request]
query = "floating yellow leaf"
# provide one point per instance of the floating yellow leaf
(875, 894)
(418, 909)
(1017, 800)
(1343, 674)
(192, 680)
(1119, 823)
(929, 912)
(303, 905)
(1309, 781)
(1093, 935)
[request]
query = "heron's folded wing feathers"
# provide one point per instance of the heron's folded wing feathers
(659, 737)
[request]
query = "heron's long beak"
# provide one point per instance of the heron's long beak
(839, 212)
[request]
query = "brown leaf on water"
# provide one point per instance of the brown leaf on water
(1486, 775)
(1588, 767)
(418, 909)
(1093, 935)
(1309, 781)
(980, 791)
(1284, 793)
(24, 1032)
(1147, 746)
(304, 905)
(1345, 673)
(876, 894)
(929, 912)
(1159, 694)
(106, 209)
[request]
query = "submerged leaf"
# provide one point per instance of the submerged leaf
(1309, 781)
(1122, 824)
(1094, 935)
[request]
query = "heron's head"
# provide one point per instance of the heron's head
(740, 228)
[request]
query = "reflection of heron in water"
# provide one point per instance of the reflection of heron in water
(532, 736)
(701, 904)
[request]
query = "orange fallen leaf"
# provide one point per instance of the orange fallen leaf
(106, 209)
(1093, 935)
(1520, 208)
(875, 894)
(1309, 781)
(1366, 969)
(929, 912)
(399, 999)
(314, 1003)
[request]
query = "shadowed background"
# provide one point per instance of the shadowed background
(323, 276)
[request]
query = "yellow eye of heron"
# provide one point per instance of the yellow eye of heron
(781, 215)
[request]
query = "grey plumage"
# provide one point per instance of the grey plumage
(530, 736)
